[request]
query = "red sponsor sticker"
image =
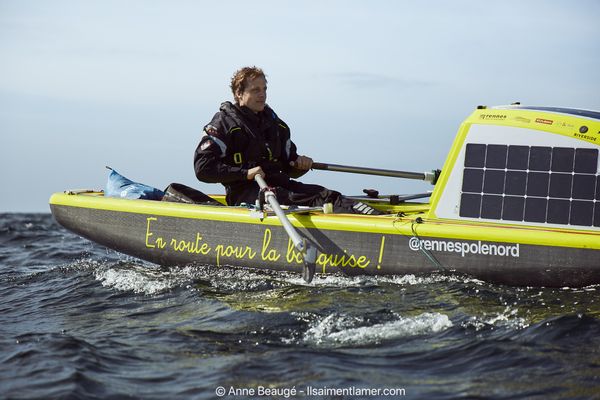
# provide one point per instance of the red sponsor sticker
(544, 121)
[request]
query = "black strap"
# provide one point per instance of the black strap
(261, 196)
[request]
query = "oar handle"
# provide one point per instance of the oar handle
(421, 176)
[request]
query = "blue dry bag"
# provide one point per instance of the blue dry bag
(119, 186)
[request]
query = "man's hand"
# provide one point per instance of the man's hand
(302, 162)
(252, 172)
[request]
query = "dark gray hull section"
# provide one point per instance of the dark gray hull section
(168, 240)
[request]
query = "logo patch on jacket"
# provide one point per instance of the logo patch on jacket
(207, 143)
(211, 130)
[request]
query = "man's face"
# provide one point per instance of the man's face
(254, 95)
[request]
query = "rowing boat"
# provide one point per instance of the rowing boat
(517, 202)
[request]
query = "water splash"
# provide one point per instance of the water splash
(339, 330)
(151, 280)
(508, 318)
(147, 279)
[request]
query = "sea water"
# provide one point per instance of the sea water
(80, 321)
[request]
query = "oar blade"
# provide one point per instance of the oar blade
(308, 272)
(310, 261)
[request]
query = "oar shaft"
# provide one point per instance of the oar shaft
(287, 225)
(305, 246)
(371, 171)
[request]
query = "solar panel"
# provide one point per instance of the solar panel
(557, 185)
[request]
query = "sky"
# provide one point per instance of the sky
(381, 84)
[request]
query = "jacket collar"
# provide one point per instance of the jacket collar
(243, 112)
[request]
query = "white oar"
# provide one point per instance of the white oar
(303, 245)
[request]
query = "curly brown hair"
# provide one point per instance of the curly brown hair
(241, 78)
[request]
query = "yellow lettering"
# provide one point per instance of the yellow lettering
(266, 253)
(321, 261)
(186, 245)
(234, 252)
(204, 249)
(292, 254)
(363, 262)
(219, 250)
(148, 233)
(176, 245)
(342, 260)
(196, 248)
(381, 252)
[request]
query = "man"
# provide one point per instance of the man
(246, 139)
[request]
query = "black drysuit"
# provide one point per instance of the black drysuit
(238, 139)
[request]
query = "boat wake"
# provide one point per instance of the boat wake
(138, 277)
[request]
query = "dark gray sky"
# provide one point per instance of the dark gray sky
(384, 84)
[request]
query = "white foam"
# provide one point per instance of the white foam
(337, 331)
(141, 279)
(332, 280)
(364, 280)
(151, 280)
(131, 280)
(508, 318)
(131, 276)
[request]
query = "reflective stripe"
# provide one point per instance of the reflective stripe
(359, 207)
(235, 128)
(364, 208)
(218, 141)
(237, 158)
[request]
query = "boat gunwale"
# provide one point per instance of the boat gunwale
(396, 224)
